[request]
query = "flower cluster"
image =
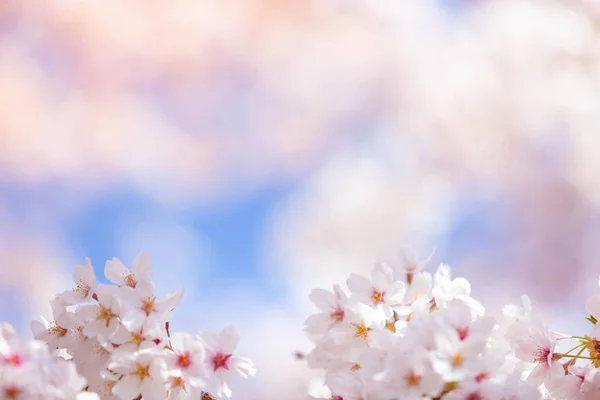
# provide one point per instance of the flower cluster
(570, 375)
(118, 338)
(405, 334)
(30, 371)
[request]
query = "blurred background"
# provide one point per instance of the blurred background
(259, 148)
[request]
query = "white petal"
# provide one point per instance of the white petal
(127, 388)
(323, 299)
(382, 276)
(181, 341)
(209, 339)
(142, 266)
(228, 339)
(115, 271)
(442, 275)
(169, 301)
(359, 284)
(133, 319)
(318, 323)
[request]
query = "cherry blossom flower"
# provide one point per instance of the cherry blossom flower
(132, 341)
(411, 373)
(347, 386)
(118, 273)
(332, 306)
(446, 289)
(104, 316)
(220, 360)
(455, 358)
(382, 291)
(410, 266)
(85, 281)
(188, 357)
(142, 373)
(56, 331)
(143, 309)
(534, 343)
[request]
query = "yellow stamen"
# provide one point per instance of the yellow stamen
(141, 371)
(378, 297)
(148, 305)
(412, 379)
(361, 330)
(458, 359)
(130, 281)
(106, 314)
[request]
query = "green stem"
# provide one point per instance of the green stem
(575, 348)
(573, 361)
(576, 357)
(580, 337)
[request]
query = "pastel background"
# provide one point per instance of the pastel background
(259, 148)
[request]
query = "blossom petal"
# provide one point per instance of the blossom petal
(228, 339)
(115, 271)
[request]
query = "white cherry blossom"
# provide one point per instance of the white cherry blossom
(221, 362)
(85, 285)
(118, 273)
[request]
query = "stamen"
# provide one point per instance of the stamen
(378, 297)
(148, 305)
(361, 330)
(12, 392)
(130, 280)
(141, 371)
(337, 315)
(412, 379)
(458, 359)
(183, 360)
(220, 361)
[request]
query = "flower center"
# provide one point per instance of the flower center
(220, 361)
(355, 367)
(378, 297)
(11, 392)
(136, 338)
(130, 281)
(540, 355)
(412, 379)
(390, 326)
(105, 314)
(14, 359)
(148, 305)
(56, 330)
(82, 287)
(360, 330)
(337, 315)
(462, 332)
(482, 376)
(183, 360)
(458, 359)
(177, 381)
(141, 371)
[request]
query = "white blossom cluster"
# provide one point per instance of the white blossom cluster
(407, 334)
(117, 337)
(28, 370)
